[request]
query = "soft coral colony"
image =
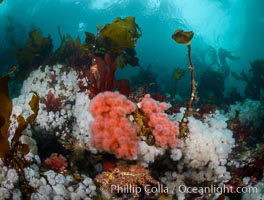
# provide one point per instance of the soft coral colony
(76, 130)
(115, 129)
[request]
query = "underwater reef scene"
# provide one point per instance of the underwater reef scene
(155, 100)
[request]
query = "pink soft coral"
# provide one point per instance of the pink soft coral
(56, 162)
(111, 130)
(163, 129)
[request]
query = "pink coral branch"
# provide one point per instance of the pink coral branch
(164, 130)
(56, 162)
(111, 130)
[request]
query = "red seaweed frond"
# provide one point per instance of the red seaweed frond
(100, 77)
(52, 103)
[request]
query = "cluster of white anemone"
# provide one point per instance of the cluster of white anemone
(9, 183)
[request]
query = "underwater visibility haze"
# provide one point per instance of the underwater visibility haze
(131, 99)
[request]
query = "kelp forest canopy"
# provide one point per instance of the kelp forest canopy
(117, 39)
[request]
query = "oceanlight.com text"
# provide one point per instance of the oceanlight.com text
(215, 189)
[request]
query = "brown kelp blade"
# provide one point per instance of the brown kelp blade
(34, 105)
(23, 148)
(182, 37)
(122, 33)
(5, 112)
(23, 123)
(178, 73)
